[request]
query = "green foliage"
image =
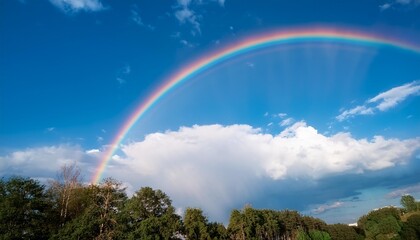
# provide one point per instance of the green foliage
(411, 228)
(217, 231)
(384, 223)
(409, 203)
(318, 235)
(101, 216)
(72, 210)
(24, 209)
(195, 224)
(302, 235)
(343, 232)
(149, 214)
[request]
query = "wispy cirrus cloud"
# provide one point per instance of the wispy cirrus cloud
(383, 101)
(136, 18)
(185, 14)
(403, 191)
(326, 207)
(73, 6)
(286, 122)
(123, 73)
(394, 96)
(392, 4)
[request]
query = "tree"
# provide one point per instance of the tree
(149, 214)
(65, 192)
(236, 225)
(101, 217)
(217, 231)
(319, 235)
(24, 209)
(411, 228)
(195, 224)
(384, 223)
(342, 232)
(409, 203)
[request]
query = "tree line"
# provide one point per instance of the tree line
(68, 209)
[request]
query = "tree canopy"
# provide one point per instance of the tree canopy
(69, 209)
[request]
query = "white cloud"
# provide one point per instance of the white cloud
(93, 151)
(186, 43)
(383, 101)
(78, 5)
(50, 129)
(403, 191)
(286, 122)
(135, 16)
(216, 166)
(396, 4)
(359, 110)
(384, 6)
(186, 15)
(120, 80)
(250, 64)
(123, 73)
(326, 207)
(394, 96)
(42, 161)
(282, 115)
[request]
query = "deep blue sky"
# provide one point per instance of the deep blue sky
(71, 72)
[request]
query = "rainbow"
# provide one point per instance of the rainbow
(249, 44)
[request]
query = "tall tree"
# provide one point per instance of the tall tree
(409, 203)
(195, 224)
(101, 217)
(24, 209)
(149, 214)
(65, 191)
(109, 200)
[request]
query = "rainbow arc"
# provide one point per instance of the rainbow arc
(250, 44)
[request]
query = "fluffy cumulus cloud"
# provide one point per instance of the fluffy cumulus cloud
(216, 166)
(78, 5)
(383, 101)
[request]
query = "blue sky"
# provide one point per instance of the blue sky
(338, 122)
